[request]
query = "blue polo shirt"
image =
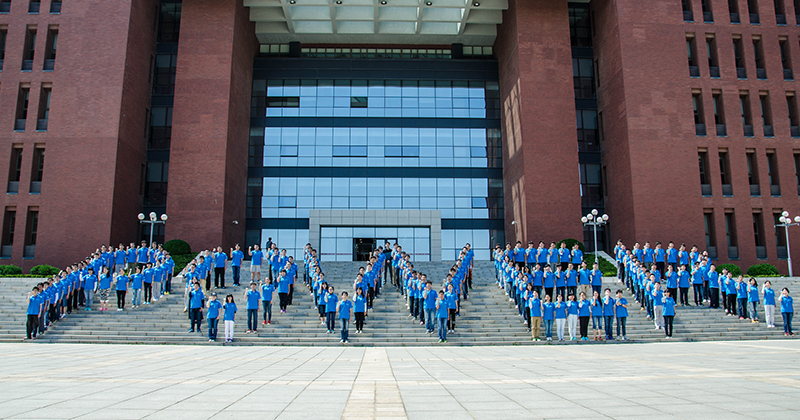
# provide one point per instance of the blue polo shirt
(584, 308)
(786, 305)
(548, 314)
(441, 312)
(257, 257)
(230, 312)
(622, 311)
(122, 282)
(33, 305)
(669, 306)
(213, 309)
(330, 302)
(196, 299)
(236, 258)
(360, 304)
(253, 296)
(430, 297)
(577, 256)
(219, 259)
(344, 309)
(266, 292)
(769, 297)
(608, 307)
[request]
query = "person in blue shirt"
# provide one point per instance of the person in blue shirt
(741, 297)
(530, 256)
(584, 313)
(672, 280)
(572, 317)
(563, 256)
(730, 293)
(548, 316)
(549, 281)
(577, 255)
(560, 316)
(252, 297)
(608, 314)
(698, 283)
(769, 303)
(621, 312)
(141, 254)
(236, 264)
(283, 290)
(683, 285)
(596, 277)
(330, 309)
(256, 257)
(669, 313)
(267, 291)
(103, 287)
(344, 306)
(220, 261)
(196, 298)
(672, 256)
(787, 311)
(291, 274)
(121, 280)
(89, 286)
(148, 283)
(535, 310)
(552, 256)
(33, 313)
(658, 305)
(137, 282)
(214, 307)
(229, 318)
(441, 316)
(429, 297)
(584, 282)
(752, 300)
(451, 301)
(359, 309)
(596, 304)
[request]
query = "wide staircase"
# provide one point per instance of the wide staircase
(487, 317)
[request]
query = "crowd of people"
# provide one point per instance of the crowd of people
(553, 286)
(144, 271)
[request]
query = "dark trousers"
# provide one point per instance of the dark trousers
(732, 303)
(236, 270)
(168, 285)
(609, 326)
(212, 328)
(668, 321)
(32, 326)
(359, 321)
(622, 323)
(684, 296)
(714, 298)
(660, 266)
(370, 296)
(81, 298)
(451, 319)
(290, 295)
(787, 322)
(331, 320)
(698, 294)
(194, 314)
(584, 326)
(283, 299)
(345, 328)
(148, 292)
(252, 319)
(219, 277)
(121, 298)
(267, 304)
(742, 307)
(724, 300)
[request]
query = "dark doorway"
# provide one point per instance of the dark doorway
(362, 248)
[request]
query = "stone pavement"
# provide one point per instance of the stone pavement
(720, 380)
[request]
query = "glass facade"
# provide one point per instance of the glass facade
(375, 145)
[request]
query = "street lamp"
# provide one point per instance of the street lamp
(786, 221)
(153, 220)
(592, 219)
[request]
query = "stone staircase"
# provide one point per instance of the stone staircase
(487, 318)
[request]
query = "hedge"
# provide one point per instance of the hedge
(732, 268)
(6, 270)
(45, 270)
(177, 247)
(767, 270)
(570, 243)
(182, 260)
(608, 269)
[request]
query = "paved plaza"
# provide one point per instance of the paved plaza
(721, 380)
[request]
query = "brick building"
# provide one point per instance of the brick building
(349, 122)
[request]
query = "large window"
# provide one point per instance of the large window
(169, 22)
(155, 187)
(580, 26)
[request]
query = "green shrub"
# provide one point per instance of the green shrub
(182, 260)
(608, 269)
(177, 247)
(762, 270)
(570, 243)
(732, 268)
(9, 270)
(44, 270)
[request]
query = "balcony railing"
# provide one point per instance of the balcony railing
(727, 190)
(775, 190)
(733, 252)
(748, 131)
(735, 18)
(755, 190)
(705, 189)
(694, 71)
(722, 130)
(761, 252)
(754, 19)
(741, 73)
(19, 124)
(700, 129)
(13, 187)
(714, 72)
(769, 131)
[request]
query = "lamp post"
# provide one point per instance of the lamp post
(152, 221)
(592, 219)
(785, 222)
